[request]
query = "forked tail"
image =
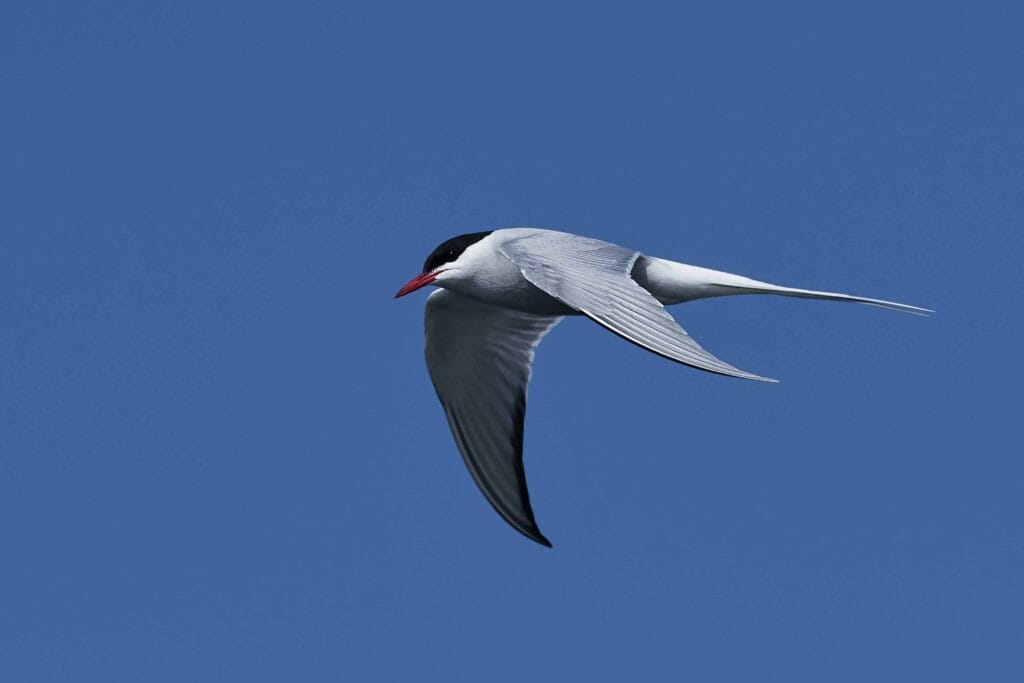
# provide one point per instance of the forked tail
(765, 288)
(671, 283)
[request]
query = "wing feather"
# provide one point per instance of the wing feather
(479, 357)
(594, 277)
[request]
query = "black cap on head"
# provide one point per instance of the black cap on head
(452, 249)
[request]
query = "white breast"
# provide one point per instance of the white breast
(485, 274)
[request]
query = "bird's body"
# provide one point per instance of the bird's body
(489, 276)
(503, 290)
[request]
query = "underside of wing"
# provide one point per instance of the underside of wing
(593, 277)
(479, 357)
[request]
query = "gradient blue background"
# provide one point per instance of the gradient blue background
(221, 458)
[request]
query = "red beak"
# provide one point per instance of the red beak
(421, 280)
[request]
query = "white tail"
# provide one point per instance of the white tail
(673, 283)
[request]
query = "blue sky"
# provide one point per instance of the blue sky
(220, 454)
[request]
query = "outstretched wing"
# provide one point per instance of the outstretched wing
(594, 278)
(479, 358)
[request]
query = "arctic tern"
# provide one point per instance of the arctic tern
(503, 290)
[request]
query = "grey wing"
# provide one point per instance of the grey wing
(479, 357)
(593, 277)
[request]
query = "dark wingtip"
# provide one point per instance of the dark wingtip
(534, 534)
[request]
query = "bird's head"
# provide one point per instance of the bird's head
(444, 262)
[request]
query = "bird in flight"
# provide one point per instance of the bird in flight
(501, 291)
